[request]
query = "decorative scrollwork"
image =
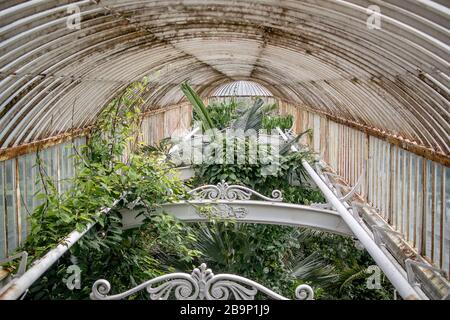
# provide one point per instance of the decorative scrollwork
(183, 290)
(223, 191)
(223, 211)
(201, 284)
(304, 292)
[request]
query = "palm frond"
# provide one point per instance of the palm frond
(285, 148)
(198, 106)
(314, 269)
(161, 148)
(251, 119)
(350, 275)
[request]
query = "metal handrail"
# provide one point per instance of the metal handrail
(19, 285)
(401, 283)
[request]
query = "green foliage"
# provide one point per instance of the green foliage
(277, 256)
(350, 265)
(283, 122)
(281, 257)
(221, 114)
(198, 106)
(131, 256)
(126, 258)
(266, 173)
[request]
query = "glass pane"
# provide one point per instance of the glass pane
(11, 219)
(446, 245)
(437, 216)
(2, 213)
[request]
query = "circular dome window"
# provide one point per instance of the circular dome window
(242, 89)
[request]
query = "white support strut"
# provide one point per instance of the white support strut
(18, 286)
(400, 283)
(390, 270)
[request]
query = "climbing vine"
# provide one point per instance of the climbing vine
(109, 167)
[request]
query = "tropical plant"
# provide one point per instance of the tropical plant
(221, 114)
(270, 123)
(330, 262)
(101, 177)
(198, 106)
(160, 149)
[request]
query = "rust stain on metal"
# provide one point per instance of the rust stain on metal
(13, 152)
(410, 146)
(297, 38)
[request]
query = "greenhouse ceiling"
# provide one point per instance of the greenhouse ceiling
(376, 65)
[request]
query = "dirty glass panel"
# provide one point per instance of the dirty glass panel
(23, 197)
(429, 209)
(437, 215)
(11, 217)
(446, 244)
(412, 197)
(2, 212)
(30, 184)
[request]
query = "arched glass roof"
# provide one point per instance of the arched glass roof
(321, 55)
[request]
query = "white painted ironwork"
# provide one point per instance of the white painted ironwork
(18, 286)
(222, 210)
(392, 270)
(394, 275)
(277, 213)
(201, 284)
(233, 202)
(224, 191)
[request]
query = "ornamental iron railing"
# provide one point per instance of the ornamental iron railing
(201, 284)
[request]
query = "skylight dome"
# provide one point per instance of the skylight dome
(242, 88)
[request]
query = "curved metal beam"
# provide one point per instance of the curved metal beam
(316, 54)
(249, 211)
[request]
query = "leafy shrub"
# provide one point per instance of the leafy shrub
(222, 114)
(283, 122)
(102, 176)
(330, 262)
